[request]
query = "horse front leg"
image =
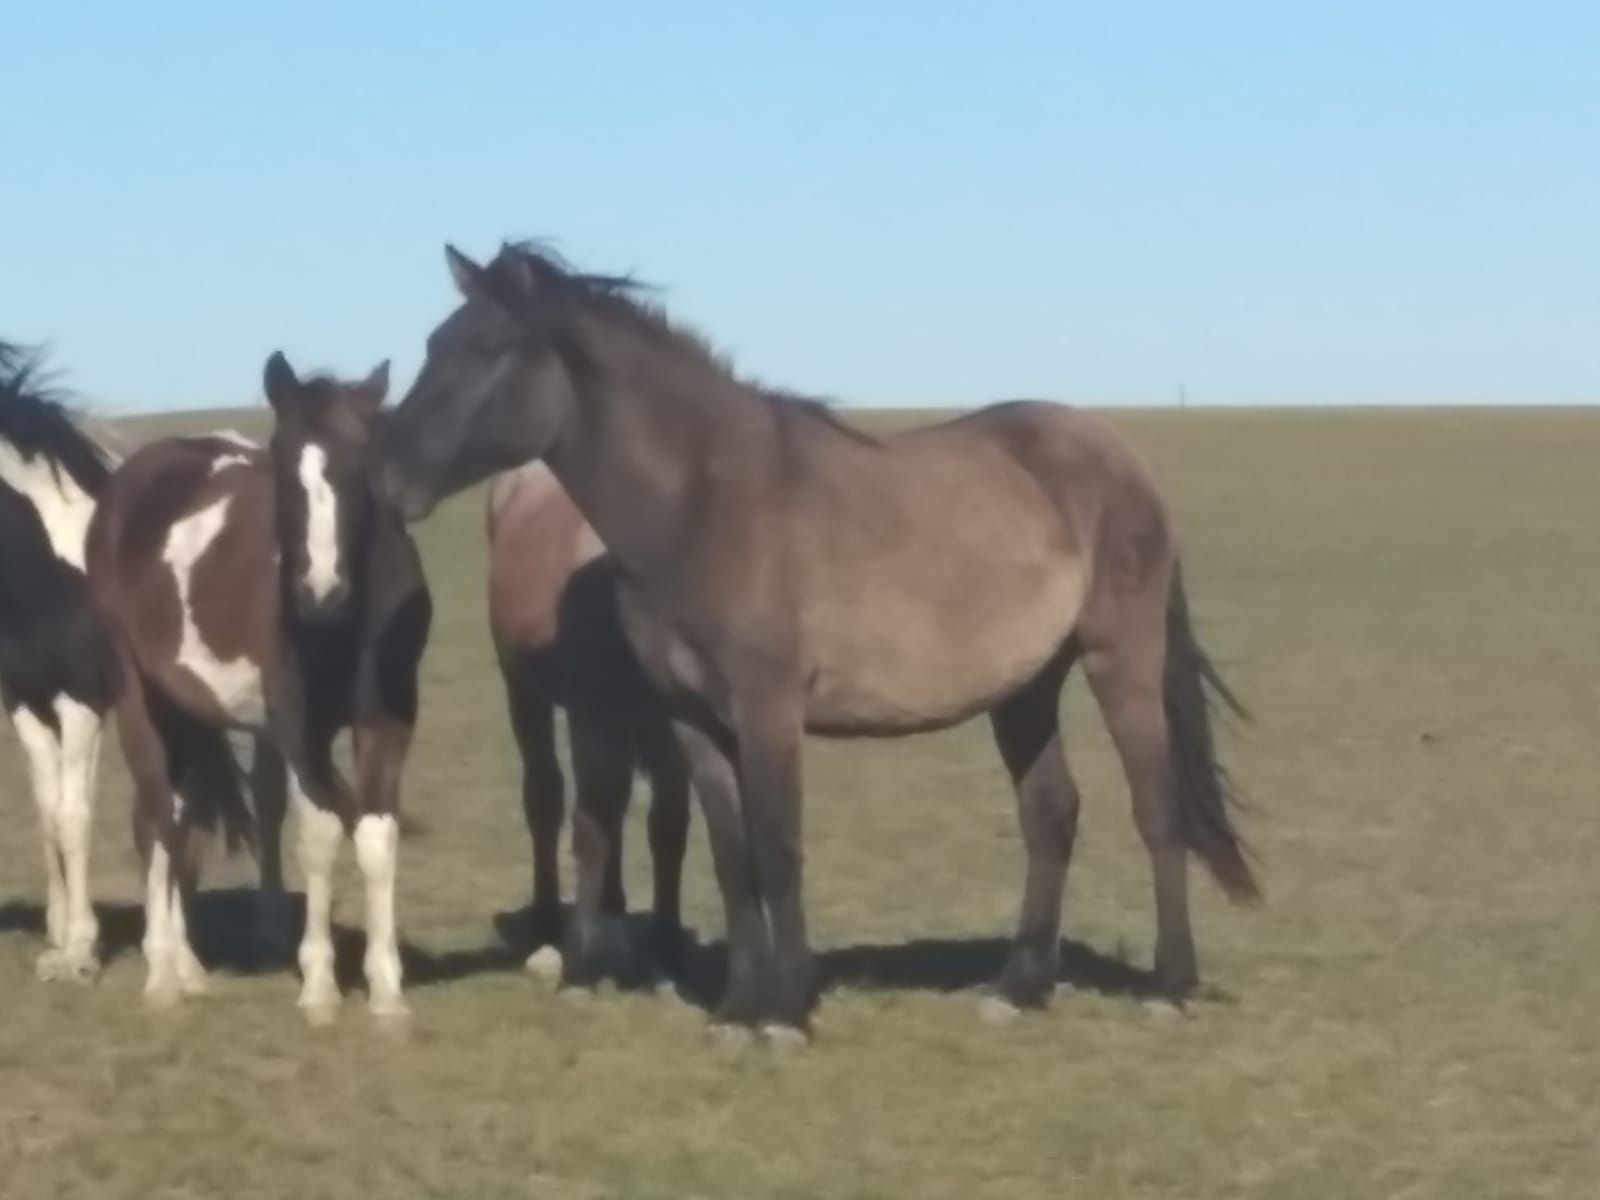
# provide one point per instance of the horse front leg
(269, 785)
(381, 747)
(325, 809)
(320, 834)
(769, 731)
(385, 719)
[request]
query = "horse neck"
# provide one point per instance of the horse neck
(640, 444)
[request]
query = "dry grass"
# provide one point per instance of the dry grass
(1408, 601)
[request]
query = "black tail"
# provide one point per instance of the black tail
(1206, 797)
(211, 782)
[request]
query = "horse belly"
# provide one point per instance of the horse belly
(898, 663)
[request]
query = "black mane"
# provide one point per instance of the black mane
(628, 300)
(35, 421)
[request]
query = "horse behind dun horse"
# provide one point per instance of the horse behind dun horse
(553, 617)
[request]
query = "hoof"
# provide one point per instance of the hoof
(63, 966)
(997, 1010)
(545, 964)
(163, 997)
(391, 1014)
(319, 1003)
(731, 1038)
(319, 1016)
(785, 1037)
(1165, 1009)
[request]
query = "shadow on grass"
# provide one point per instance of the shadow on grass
(922, 965)
(226, 938)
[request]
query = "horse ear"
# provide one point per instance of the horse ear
(281, 384)
(467, 274)
(374, 389)
(516, 276)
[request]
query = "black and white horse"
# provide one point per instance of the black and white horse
(55, 664)
(274, 594)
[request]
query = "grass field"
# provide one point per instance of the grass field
(1408, 601)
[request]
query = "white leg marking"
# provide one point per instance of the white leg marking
(191, 975)
(161, 976)
(320, 834)
(173, 971)
(44, 753)
(322, 522)
(63, 506)
(236, 683)
(377, 839)
(81, 728)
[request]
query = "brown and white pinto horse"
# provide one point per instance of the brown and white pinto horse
(553, 616)
(271, 593)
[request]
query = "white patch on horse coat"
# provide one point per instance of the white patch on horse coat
(589, 547)
(377, 838)
(236, 683)
(223, 462)
(234, 436)
(322, 522)
(64, 766)
(63, 506)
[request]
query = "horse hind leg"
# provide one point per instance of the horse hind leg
(543, 808)
(1125, 673)
(1027, 731)
(269, 787)
(603, 756)
(669, 841)
(62, 767)
(157, 825)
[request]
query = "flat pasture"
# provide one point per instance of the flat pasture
(1410, 602)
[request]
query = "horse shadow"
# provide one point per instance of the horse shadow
(225, 936)
(224, 932)
(940, 965)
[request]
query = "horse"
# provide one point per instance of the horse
(272, 593)
(55, 661)
(553, 620)
(783, 573)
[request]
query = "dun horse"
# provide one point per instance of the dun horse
(275, 594)
(55, 662)
(553, 616)
(781, 573)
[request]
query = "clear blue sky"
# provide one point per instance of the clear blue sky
(887, 203)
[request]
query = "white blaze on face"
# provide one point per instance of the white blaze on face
(322, 522)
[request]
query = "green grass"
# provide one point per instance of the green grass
(1408, 601)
